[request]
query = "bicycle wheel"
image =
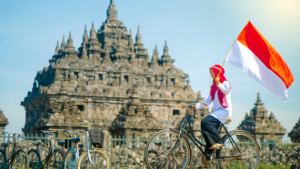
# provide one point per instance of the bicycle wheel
(70, 160)
(98, 158)
(166, 150)
(20, 160)
(2, 159)
(292, 162)
(246, 153)
(56, 160)
(34, 159)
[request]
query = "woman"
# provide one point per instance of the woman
(221, 99)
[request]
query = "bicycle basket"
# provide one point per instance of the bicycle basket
(97, 137)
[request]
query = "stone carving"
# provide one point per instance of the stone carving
(104, 70)
(263, 126)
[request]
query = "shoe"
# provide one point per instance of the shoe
(216, 146)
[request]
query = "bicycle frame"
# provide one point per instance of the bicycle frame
(76, 150)
(182, 132)
(8, 161)
(50, 152)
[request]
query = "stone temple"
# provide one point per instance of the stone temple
(263, 126)
(111, 82)
(295, 133)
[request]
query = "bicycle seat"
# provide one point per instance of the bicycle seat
(158, 143)
(80, 145)
(36, 143)
(4, 144)
(61, 143)
(76, 140)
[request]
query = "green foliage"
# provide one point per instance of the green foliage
(238, 165)
(262, 166)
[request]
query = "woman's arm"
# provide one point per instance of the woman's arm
(224, 87)
(206, 103)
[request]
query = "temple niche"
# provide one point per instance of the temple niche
(295, 133)
(95, 83)
(263, 126)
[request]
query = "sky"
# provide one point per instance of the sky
(199, 34)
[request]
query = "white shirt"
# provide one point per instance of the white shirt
(221, 113)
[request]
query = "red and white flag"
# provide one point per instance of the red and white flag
(253, 54)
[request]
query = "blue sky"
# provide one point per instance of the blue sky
(198, 33)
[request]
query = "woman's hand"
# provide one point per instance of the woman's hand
(217, 80)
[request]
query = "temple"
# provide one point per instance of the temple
(295, 133)
(263, 126)
(111, 82)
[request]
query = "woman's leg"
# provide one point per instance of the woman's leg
(209, 129)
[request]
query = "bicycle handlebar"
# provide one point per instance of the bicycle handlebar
(194, 104)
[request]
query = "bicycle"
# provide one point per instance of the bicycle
(54, 158)
(73, 154)
(18, 158)
(92, 158)
(171, 148)
(292, 162)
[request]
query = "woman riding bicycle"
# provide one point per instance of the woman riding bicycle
(221, 98)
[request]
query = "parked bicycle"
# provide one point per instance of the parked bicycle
(171, 148)
(54, 158)
(92, 158)
(292, 161)
(18, 158)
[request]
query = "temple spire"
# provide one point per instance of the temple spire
(57, 48)
(154, 57)
(85, 35)
(112, 12)
(138, 38)
(258, 101)
(84, 53)
(166, 49)
(63, 43)
(166, 57)
(246, 116)
(70, 42)
(93, 34)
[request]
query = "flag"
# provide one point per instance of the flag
(254, 55)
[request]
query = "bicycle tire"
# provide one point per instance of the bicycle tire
(292, 162)
(34, 159)
(20, 160)
(58, 162)
(250, 150)
(97, 156)
(70, 159)
(166, 140)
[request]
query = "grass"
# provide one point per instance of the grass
(262, 166)
(238, 165)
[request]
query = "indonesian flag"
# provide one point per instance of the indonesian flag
(254, 55)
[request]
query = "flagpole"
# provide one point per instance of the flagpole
(228, 53)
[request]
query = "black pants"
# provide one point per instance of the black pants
(209, 129)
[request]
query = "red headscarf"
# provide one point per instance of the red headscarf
(218, 70)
